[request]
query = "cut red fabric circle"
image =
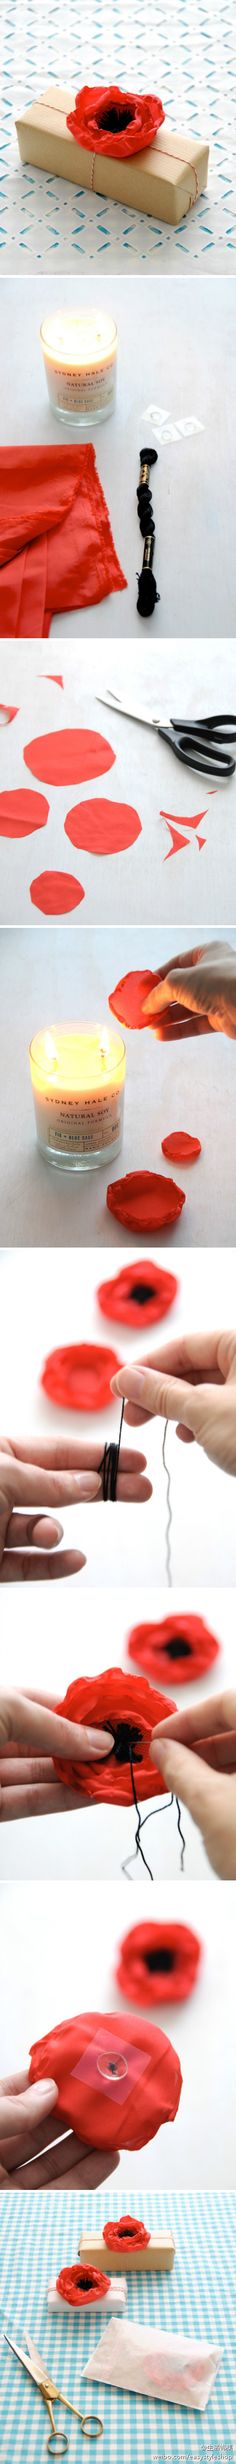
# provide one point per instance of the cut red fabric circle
(130, 1710)
(175, 1647)
(56, 893)
(78, 1376)
(82, 2285)
(21, 811)
(127, 1002)
(68, 755)
(103, 828)
(158, 1963)
(145, 1201)
(117, 2080)
(106, 121)
(139, 1295)
(129, 2233)
(180, 1148)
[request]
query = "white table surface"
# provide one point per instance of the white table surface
(185, 53)
(139, 885)
(189, 1086)
(174, 348)
(47, 1298)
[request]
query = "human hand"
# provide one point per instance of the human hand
(49, 1474)
(31, 1732)
(32, 2156)
(193, 1381)
(196, 1752)
(202, 980)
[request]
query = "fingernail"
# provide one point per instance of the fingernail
(89, 1484)
(136, 1381)
(99, 1741)
(159, 1753)
(46, 2087)
(116, 1384)
(45, 1531)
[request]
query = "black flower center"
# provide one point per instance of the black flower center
(142, 1292)
(84, 2281)
(114, 117)
(159, 1961)
(178, 1648)
(126, 1741)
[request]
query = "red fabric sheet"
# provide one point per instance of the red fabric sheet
(56, 545)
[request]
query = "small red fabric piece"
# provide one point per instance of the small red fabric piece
(158, 1963)
(127, 1002)
(92, 107)
(54, 679)
(180, 1147)
(82, 2285)
(118, 2081)
(56, 893)
(178, 839)
(181, 1647)
(11, 711)
(105, 829)
(68, 755)
(129, 2233)
(78, 1376)
(122, 1704)
(21, 811)
(145, 1201)
(140, 1294)
(56, 545)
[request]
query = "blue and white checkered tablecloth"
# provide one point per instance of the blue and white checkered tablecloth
(187, 53)
(39, 2233)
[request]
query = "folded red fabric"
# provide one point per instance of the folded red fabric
(56, 545)
(130, 1710)
(106, 121)
(129, 2233)
(81, 2285)
(117, 2080)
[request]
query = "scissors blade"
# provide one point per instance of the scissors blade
(130, 710)
(27, 2364)
(39, 2367)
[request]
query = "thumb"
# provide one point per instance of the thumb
(26, 2111)
(190, 1779)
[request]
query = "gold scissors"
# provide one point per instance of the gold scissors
(90, 2424)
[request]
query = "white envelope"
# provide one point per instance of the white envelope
(180, 2369)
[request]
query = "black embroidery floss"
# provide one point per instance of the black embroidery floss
(109, 1466)
(148, 595)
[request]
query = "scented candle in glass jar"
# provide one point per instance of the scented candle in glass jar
(80, 359)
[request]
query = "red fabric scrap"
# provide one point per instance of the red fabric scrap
(180, 1148)
(68, 755)
(21, 811)
(56, 893)
(145, 1201)
(56, 545)
(105, 829)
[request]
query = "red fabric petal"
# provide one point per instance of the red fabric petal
(56, 545)
(140, 1294)
(21, 811)
(82, 2285)
(105, 829)
(127, 1002)
(179, 1648)
(180, 1147)
(86, 121)
(78, 1376)
(145, 1201)
(114, 1700)
(129, 2233)
(68, 755)
(158, 1963)
(118, 2081)
(56, 893)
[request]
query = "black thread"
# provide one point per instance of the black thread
(169, 1512)
(181, 1835)
(109, 1466)
(156, 1809)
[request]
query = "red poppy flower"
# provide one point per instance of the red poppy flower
(180, 1147)
(182, 1646)
(130, 1710)
(139, 1294)
(128, 999)
(158, 1963)
(117, 2080)
(128, 2234)
(106, 121)
(145, 1201)
(78, 1376)
(80, 2285)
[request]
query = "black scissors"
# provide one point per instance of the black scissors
(200, 743)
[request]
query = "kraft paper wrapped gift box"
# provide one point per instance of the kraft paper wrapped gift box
(157, 2255)
(166, 180)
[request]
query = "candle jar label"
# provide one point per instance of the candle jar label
(82, 1127)
(81, 390)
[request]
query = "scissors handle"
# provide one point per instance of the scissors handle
(221, 726)
(199, 748)
(57, 2443)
